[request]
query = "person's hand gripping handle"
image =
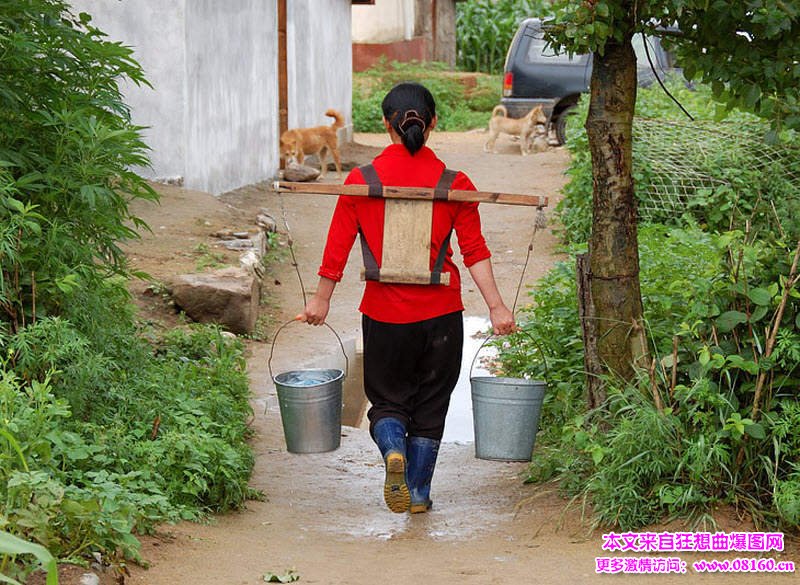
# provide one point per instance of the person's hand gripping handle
(316, 310)
(502, 320)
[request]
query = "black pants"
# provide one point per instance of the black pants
(410, 370)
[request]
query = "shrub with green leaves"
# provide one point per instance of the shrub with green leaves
(152, 438)
(459, 106)
(107, 428)
(711, 302)
(11, 546)
(67, 147)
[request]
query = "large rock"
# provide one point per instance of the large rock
(296, 172)
(228, 297)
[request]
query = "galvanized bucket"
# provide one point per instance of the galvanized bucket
(311, 409)
(310, 402)
(505, 414)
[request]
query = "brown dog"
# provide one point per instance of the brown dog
(523, 127)
(319, 140)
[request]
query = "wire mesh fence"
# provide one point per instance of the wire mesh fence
(679, 165)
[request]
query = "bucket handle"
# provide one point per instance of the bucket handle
(275, 338)
(519, 330)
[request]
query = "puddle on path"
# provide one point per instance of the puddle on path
(458, 425)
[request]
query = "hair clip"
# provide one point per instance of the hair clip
(411, 117)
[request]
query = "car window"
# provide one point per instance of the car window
(540, 52)
(641, 55)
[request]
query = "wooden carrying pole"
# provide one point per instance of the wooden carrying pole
(414, 193)
(407, 223)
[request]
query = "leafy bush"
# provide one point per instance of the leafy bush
(711, 297)
(67, 146)
(459, 106)
(154, 438)
(11, 545)
(484, 29)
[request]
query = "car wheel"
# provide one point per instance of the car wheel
(561, 124)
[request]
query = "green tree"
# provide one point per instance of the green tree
(67, 150)
(746, 50)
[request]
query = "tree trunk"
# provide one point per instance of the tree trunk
(613, 246)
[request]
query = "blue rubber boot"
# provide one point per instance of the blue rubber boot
(390, 436)
(421, 454)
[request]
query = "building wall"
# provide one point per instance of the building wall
(365, 55)
(436, 22)
(231, 93)
(404, 30)
(444, 48)
(320, 64)
(386, 21)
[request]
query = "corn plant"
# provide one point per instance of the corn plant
(484, 29)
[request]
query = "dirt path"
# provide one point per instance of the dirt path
(324, 516)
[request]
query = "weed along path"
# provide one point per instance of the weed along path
(323, 516)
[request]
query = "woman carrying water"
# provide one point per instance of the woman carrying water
(412, 333)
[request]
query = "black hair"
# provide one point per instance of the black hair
(410, 108)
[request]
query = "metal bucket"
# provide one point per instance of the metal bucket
(310, 401)
(506, 416)
(311, 409)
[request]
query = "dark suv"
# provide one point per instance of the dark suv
(534, 75)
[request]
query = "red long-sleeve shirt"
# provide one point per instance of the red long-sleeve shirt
(405, 303)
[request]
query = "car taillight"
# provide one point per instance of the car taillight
(508, 82)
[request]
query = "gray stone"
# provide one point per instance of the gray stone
(89, 579)
(251, 262)
(228, 297)
(223, 235)
(259, 243)
(266, 222)
(300, 173)
(176, 180)
(237, 244)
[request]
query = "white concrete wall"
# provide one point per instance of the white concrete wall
(212, 111)
(386, 21)
(320, 61)
(231, 106)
